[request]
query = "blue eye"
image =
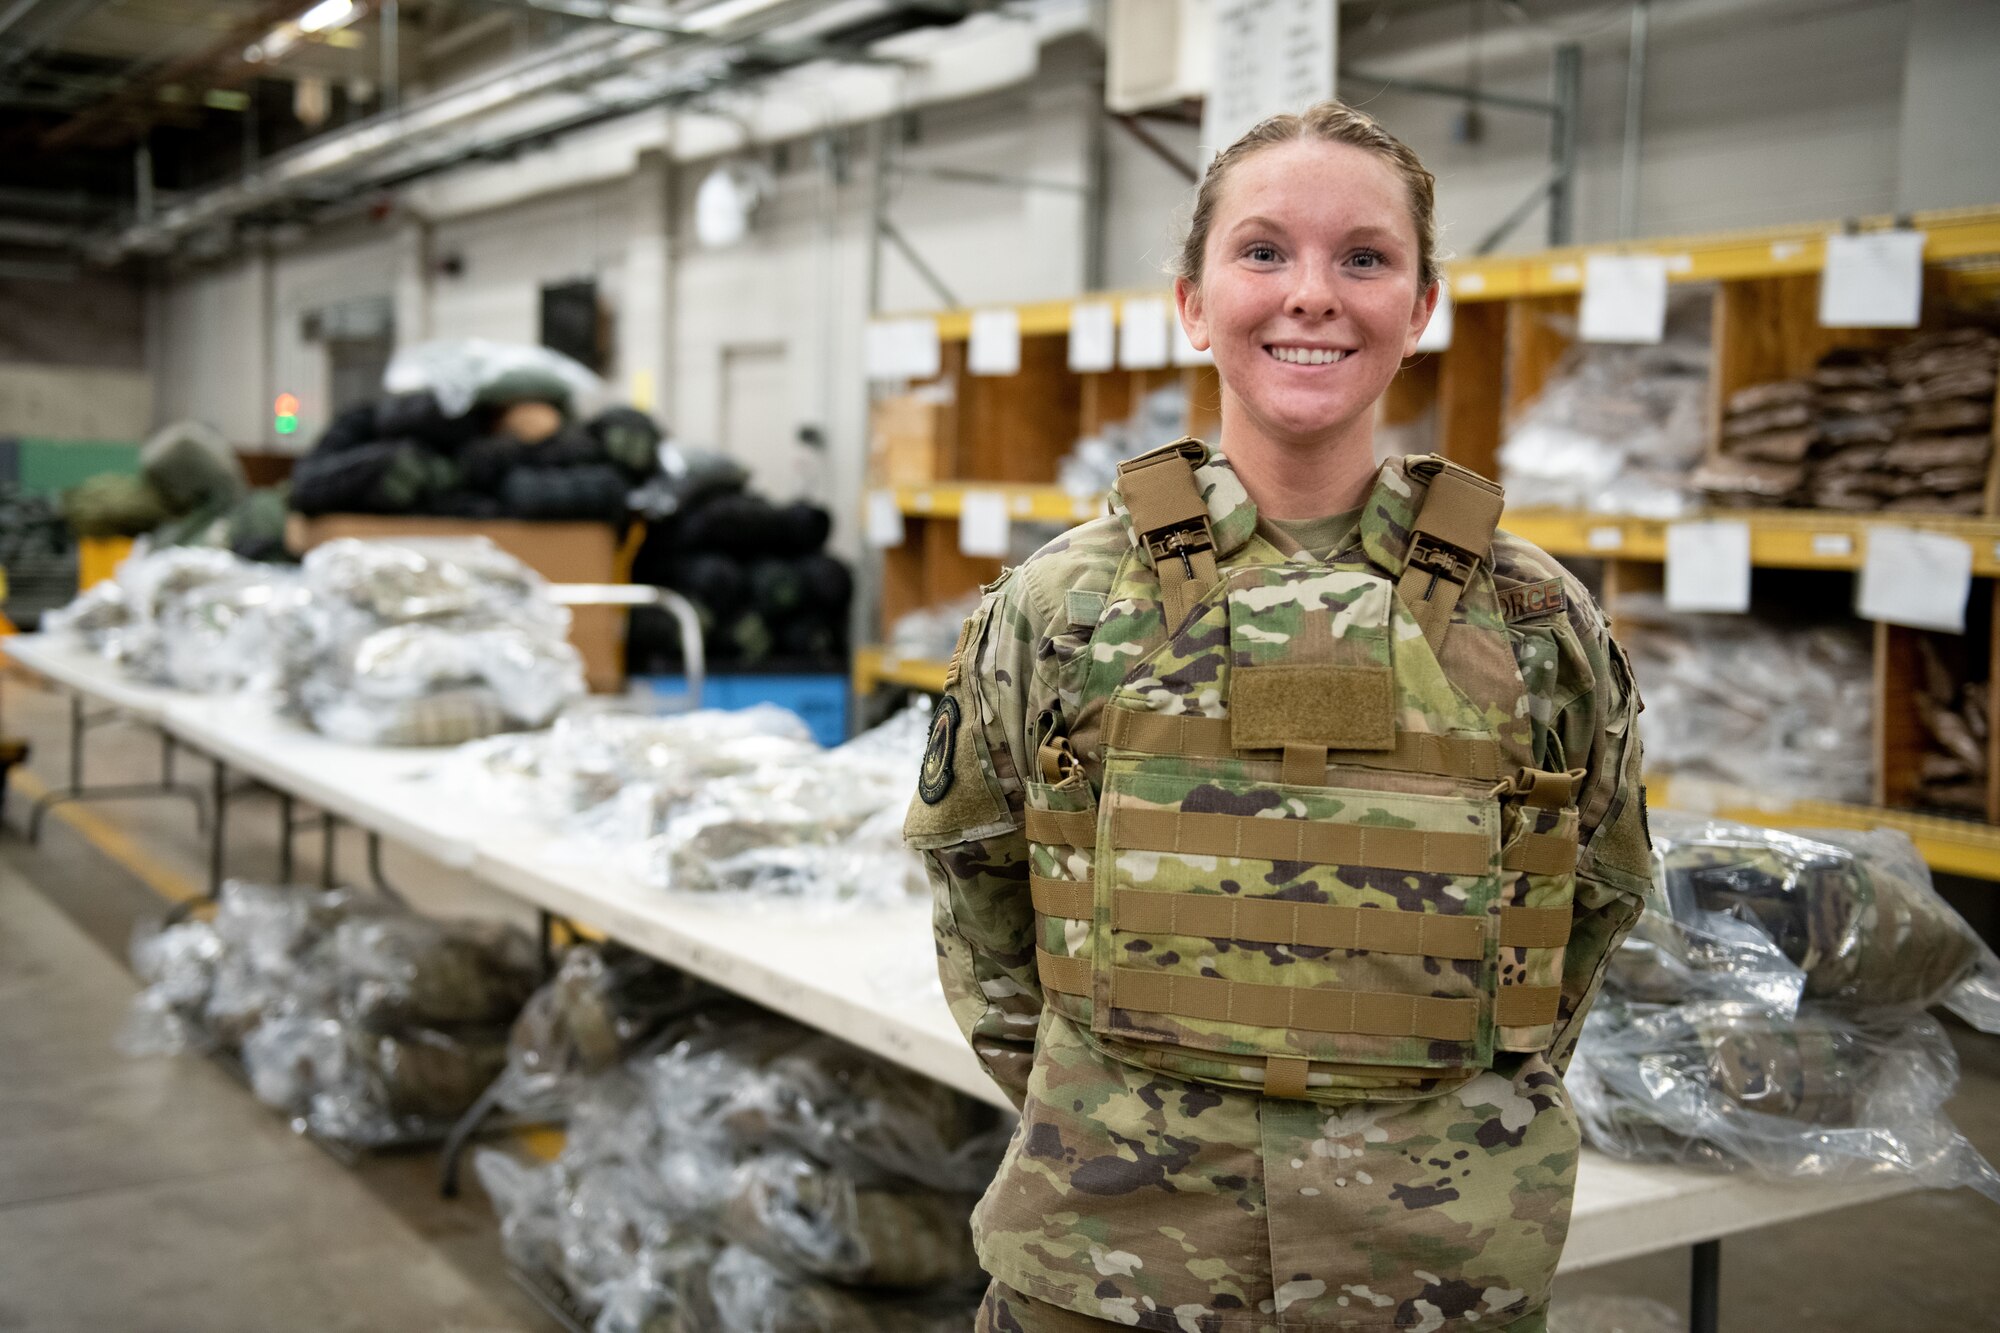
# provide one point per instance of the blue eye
(1376, 256)
(1262, 254)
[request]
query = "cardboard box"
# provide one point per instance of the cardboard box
(559, 552)
(906, 441)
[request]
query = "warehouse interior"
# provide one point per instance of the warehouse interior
(493, 493)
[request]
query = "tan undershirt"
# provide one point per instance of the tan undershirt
(1320, 536)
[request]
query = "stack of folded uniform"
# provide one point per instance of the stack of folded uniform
(1952, 708)
(753, 1175)
(1944, 383)
(363, 1021)
(1767, 434)
(1859, 417)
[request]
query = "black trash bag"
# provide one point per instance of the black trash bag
(350, 430)
(388, 477)
(485, 463)
(417, 416)
(596, 491)
(744, 525)
(814, 638)
(718, 583)
(629, 438)
(572, 446)
(829, 585)
(777, 589)
(462, 503)
(749, 638)
(802, 529)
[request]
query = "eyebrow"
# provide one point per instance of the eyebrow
(1366, 231)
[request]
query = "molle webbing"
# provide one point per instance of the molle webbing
(1453, 532)
(1473, 757)
(1367, 1013)
(1077, 828)
(1314, 842)
(1218, 916)
(1170, 520)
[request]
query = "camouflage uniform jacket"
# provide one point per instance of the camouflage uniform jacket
(1157, 1202)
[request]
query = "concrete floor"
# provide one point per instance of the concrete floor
(155, 1196)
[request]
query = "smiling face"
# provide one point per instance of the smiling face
(1309, 295)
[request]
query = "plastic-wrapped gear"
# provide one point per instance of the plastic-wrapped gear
(397, 582)
(405, 970)
(1812, 1096)
(753, 1295)
(461, 372)
(178, 966)
(1855, 913)
(821, 1222)
(234, 633)
(601, 1005)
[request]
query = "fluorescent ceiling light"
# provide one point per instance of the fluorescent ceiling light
(720, 14)
(328, 14)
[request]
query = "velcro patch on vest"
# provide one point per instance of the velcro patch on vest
(1533, 599)
(1339, 707)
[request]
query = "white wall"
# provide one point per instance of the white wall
(509, 254)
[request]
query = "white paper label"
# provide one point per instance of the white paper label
(1270, 56)
(1142, 334)
(878, 350)
(1832, 544)
(885, 520)
(1565, 273)
(1185, 352)
(983, 525)
(1472, 283)
(996, 343)
(1873, 281)
(921, 358)
(1605, 539)
(1624, 299)
(901, 349)
(1093, 336)
(1915, 578)
(1436, 336)
(1708, 566)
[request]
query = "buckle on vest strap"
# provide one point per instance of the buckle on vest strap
(1185, 541)
(1441, 560)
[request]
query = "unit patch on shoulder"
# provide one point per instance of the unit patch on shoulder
(934, 781)
(1533, 599)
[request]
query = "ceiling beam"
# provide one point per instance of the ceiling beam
(134, 106)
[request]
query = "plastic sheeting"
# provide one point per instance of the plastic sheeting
(461, 372)
(1768, 1011)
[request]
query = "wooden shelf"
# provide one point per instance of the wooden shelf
(1954, 846)
(1949, 235)
(1046, 504)
(877, 666)
(1779, 538)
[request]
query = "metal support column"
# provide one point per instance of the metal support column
(1635, 108)
(1562, 143)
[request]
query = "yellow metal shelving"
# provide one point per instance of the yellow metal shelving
(1046, 504)
(1954, 846)
(875, 666)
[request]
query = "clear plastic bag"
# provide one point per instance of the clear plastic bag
(1813, 1096)
(602, 1004)
(1853, 914)
(821, 1222)
(1616, 429)
(233, 633)
(460, 372)
(406, 970)
(177, 964)
(753, 1295)
(931, 632)
(1785, 711)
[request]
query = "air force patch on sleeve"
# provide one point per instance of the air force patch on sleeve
(935, 780)
(1533, 599)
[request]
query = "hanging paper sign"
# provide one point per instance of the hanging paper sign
(983, 525)
(1624, 299)
(885, 520)
(1142, 334)
(1873, 281)
(1915, 578)
(1708, 566)
(996, 343)
(1093, 337)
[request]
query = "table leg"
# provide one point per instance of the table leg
(285, 832)
(375, 875)
(1705, 1291)
(219, 799)
(328, 829)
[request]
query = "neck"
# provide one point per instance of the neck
(1299, 479)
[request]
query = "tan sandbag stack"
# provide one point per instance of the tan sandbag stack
(1768, 432)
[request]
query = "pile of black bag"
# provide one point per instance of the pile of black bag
(506, 457)
(768, 593)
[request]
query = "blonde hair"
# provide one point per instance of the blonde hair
(1326, 122)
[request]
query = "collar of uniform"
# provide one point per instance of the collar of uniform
(1232, 516)
(1391, 508)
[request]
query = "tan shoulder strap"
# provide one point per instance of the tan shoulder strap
(1171, 519)
(1453, 532)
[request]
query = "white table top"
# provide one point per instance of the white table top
(866, 976)
(91, 675)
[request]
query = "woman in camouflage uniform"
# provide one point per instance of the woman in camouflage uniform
(1280, 824)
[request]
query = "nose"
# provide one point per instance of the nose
(1316, 295)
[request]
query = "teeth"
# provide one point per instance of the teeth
(1306, 356)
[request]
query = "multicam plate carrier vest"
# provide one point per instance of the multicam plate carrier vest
(1315, 865)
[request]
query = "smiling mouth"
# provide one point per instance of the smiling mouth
(1306, 356)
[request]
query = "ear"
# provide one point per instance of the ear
(1420, 317)
(1187, 303)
